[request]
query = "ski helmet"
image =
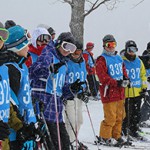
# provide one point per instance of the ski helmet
(89, 45)
(130, 43)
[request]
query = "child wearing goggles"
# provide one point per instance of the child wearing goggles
(111, 71)
(134, 93)
(47, 75)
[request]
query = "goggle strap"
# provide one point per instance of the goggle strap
(24, 38)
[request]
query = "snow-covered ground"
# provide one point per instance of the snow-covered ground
(86, 133)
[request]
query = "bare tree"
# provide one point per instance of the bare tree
(79, 13)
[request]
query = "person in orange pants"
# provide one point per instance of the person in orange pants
(113, 77)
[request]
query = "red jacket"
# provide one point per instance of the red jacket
(113, 93)
(90, 70)
(36, 51)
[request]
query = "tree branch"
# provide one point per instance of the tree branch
(94, 6)
(69, 2)
(138, 3)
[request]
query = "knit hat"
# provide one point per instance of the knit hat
(3, 33)
(109, 38)
(79, 45)
(65, 36)
(17, 39)
(9, 23)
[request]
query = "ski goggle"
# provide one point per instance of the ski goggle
(111, 44)
(132, 49)
(44, 37)
(3, 34)
(69, 47)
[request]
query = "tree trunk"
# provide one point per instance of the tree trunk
(77, 19)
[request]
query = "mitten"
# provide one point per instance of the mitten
(76, 86)
(55, 67)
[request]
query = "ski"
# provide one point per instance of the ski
(144, 133)
(122, 146)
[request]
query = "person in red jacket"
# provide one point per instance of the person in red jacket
(113, 78)
(39, 39)
(90, 67)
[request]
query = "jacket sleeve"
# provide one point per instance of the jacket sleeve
(40, 69)
(102, 73)
(14, 121)
(124, 71)
(143, 76)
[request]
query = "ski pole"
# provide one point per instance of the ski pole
(57, 115)
(92, 125)
(76, 126)
(128, 121)
(48, 133)
(0, 145)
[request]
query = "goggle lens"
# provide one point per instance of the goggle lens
(110, 44)
(3, 34)
(68, 47)
(44, 37)
(132, 49)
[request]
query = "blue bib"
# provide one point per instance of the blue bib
(115, 66)
(4, 94)
(76, 71)
(58, 77)
(133, 71)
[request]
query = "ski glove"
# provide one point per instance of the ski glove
(4, 130)
(76, 86)
(148, 79)
(27, 132)
(55, 67)
(123, 83)
(85, 97)
(144, 93)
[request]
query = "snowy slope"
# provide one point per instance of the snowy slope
(86, 133)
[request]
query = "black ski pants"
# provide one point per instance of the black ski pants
(145, 109)
(64, 137)
(133, 115)
(93, 84)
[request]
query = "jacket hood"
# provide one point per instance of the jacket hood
(36, 33)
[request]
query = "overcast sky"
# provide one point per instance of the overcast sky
(124, 22)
